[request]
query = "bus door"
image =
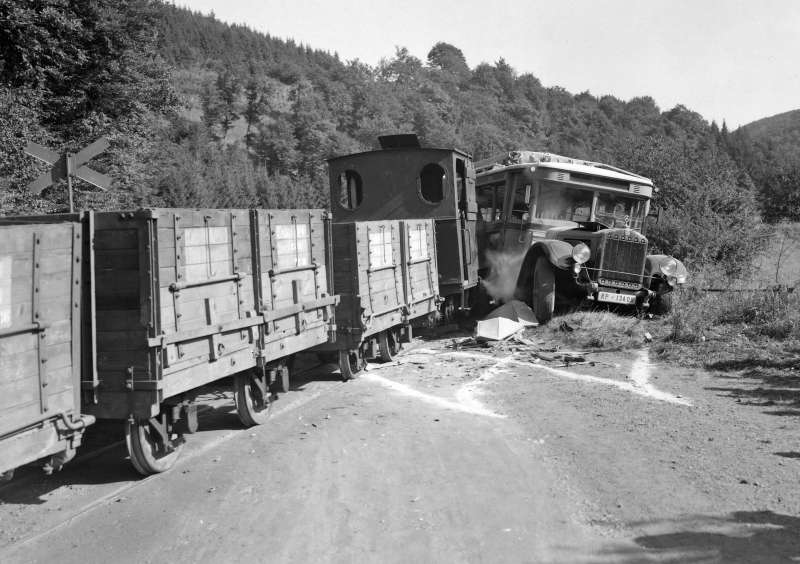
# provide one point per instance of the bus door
(468, 214)
(516, 214)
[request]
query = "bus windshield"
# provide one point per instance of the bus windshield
(618, 211)
(566, 203)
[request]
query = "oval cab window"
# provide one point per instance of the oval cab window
(431, 183)
(350, 190)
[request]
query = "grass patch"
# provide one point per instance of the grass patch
(699, 315)
(596, 330)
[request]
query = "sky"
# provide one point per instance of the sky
(729, 60)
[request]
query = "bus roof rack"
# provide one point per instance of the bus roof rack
(521, 157)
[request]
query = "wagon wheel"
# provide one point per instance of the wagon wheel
(544, 290)
(351, 362)
(282, 372)
(388, 345)
(251, 396)
(449, 310)
(146, 446)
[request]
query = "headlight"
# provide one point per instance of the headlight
(581, 253)
(681, 274)
(669, 267)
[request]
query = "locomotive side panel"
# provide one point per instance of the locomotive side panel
(393, 184)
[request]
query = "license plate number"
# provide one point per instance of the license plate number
(616, 298)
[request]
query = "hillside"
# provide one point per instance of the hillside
(202, 113)
(780, 132)
(769, 150)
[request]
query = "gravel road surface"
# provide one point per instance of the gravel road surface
(446, 455)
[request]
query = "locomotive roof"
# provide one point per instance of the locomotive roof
(402, 150)
(520, 159)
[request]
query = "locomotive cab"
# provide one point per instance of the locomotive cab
(403, 180)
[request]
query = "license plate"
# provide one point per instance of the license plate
(616, 298)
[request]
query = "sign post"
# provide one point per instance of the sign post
(67, 166)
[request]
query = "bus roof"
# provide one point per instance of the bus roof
(519, 159)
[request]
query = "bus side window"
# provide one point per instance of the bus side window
(499, 199)
(485, 196)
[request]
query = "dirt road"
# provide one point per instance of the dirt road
(474, 455)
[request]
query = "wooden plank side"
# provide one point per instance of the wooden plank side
(223, 309)
(48, 310)
(116, 283)
(118, 239)
(24, 391)
(51, 262)
(122, 340)
(117, 259)
(118, 320)
(19, 238)
(22, 413)
(116, 362)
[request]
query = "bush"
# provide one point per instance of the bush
(753, 313)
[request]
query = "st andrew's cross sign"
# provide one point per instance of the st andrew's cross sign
(67, 166)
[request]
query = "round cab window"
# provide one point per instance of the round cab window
(431, 181)
(350, 190)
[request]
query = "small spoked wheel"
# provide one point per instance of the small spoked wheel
(152, 446)
(351, 362)
(252, 398)
(449, 310)
(388, 345)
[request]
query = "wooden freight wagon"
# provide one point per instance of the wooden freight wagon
(186, 297)
(40, 344)
(385, 276)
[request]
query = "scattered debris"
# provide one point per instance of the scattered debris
(565, 357)
(565, 327)
(497, 328)
(468, 342)
(505, 321)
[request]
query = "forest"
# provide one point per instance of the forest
(203, 113)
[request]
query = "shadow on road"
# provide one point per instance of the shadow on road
(741, 537)
(762, 382)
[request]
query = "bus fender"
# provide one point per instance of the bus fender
(652, 270)
(558, 254)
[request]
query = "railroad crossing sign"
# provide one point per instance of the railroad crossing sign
(68, 165)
